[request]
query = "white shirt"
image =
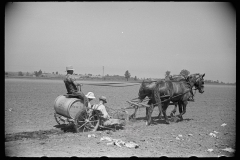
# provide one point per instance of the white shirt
(89, 105)
(101, 108)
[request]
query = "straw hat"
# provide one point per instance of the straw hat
(69, 68)
(103, 98)
(90, 95)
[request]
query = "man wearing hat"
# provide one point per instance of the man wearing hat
(100, 106)
(90, 96)
(72, 85)
(107, 120)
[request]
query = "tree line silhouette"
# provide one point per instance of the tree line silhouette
(127, 76)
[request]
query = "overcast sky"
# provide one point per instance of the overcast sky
(145, 38)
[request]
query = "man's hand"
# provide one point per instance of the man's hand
(89, 111)
(79, 84)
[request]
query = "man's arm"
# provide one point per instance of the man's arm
(73, 80)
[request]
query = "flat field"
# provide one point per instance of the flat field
(31, 130)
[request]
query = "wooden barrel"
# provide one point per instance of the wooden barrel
(68, 107)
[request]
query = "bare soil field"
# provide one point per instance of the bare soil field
(31, 130)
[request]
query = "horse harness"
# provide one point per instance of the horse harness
(170, 97)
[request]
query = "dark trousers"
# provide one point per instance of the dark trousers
(81, 96)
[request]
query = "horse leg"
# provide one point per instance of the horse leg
(160, 113)
(174, 110)
(184, 108)
(184, 104)
(158, 100)
(133, 116)
(164, 109)
(146, 113)
(149, 116)
(180, 107)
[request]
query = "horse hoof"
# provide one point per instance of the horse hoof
(131, 117)
(180, 118)
(172, 119)
(148, 124)
(160, 117)
(175, 119)
(167, 122)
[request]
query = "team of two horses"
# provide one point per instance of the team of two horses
(162, 92)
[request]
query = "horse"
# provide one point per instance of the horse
(146, 90)
(180, 78)
(177, 91)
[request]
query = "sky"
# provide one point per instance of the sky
(145, 38)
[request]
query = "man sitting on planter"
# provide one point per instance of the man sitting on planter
(72, 86)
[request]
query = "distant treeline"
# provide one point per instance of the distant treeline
(107, 77)
(56, 75)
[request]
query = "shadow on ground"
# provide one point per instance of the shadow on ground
(156, 120)
(71, 128)
(41, 134)
(66, 127)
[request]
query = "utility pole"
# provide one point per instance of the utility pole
(103, 71)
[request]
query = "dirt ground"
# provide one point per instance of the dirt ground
(31, 130)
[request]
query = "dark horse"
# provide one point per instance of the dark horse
(177, 91)
(146, 90)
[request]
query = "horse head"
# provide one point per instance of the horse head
(197, 81)
(146, 89)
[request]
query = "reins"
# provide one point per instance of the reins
(170, 98)
(190, 89)
(190, 84)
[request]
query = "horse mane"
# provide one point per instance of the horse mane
(143, 84)
(177, 75)
(158, 82)
(195, 74)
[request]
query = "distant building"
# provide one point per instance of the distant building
(96, 76)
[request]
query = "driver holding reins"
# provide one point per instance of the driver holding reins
(72, 86)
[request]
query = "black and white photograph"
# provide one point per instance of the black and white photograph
(120, 79)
